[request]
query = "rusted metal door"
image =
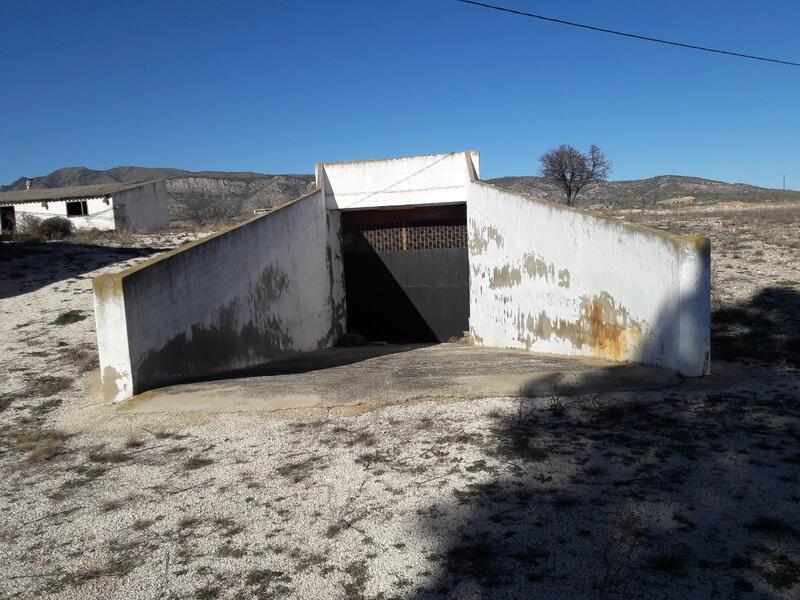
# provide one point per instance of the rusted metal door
(407, 273)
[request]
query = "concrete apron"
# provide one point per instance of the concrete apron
(349, 381)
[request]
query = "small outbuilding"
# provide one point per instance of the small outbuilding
(128, 206)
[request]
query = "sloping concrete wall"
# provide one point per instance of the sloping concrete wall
(234, 300)
(553, 279)
(393, 182)
(143, 207)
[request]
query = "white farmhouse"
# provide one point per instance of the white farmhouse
(139, 205)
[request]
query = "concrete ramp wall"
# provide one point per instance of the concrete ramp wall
(234, 300)
(553, 279)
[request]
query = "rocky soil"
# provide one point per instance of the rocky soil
(689, 492)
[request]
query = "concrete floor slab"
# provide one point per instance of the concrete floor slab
(344, 381)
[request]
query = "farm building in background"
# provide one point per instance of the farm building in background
(123, 206)
(414, 249)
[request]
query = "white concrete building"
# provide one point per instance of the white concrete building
(131, 206)
(411, 249)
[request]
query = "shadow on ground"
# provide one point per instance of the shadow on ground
(28, 266)
(765, 329)
(306, 362)
(682, 494)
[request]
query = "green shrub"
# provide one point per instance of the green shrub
(69, 317)
(53, 228)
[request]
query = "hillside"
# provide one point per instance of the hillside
(238, 193)
(660, 189)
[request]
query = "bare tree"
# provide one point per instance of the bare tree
(572, 170)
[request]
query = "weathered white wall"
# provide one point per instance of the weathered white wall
(101, 213)
(234, 300)
(552, 279)
(410, 181)
(143, 207)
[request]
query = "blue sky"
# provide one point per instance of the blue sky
(277, 85)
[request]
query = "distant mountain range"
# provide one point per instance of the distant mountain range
(240, 191)
(244, 191)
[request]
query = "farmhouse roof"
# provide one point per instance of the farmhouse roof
(77, 192)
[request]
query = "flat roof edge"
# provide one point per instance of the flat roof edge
(392, 158)
(78, 192)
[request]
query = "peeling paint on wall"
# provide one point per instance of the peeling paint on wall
(494, 235)
(533, 266)
(505, 278)
(581, 284)
(477, 242)
(563, 278)
(536, 266)
(481, 236)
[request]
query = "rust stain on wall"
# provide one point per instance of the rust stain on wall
(604, 327)
(612, 333)
(107, 286)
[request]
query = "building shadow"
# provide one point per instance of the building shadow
(636, 495)
(28, 266)
(294, 363)
(766, 329)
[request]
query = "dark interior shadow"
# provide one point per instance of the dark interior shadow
(416, 290)
(635, 495)
(28, 266)
(377, 306)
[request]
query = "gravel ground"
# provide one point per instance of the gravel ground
(689, 492)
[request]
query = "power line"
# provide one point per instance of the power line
(628, 35)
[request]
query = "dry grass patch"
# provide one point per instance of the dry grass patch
(108, 456)
(197, 462)
(299, 470)
(40, 444)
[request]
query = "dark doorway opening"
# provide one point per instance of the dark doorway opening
(7, 218)
(406, 273)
